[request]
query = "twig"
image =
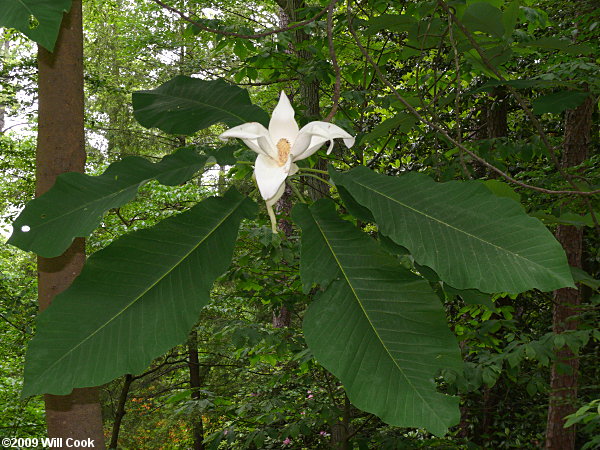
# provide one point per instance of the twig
(240, 35)
(457, 99)
(361, 426)
(12, 324)
(268, 83)
(443, 132)
(536, 123)
(334, 63)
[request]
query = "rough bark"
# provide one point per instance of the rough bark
(195, 385)
(283, 207)
(340, 431)
(60, 148)
(497, 114)
(564, 375)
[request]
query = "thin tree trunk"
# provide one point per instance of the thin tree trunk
(3, 55)
(60, 148)
(120, 412)
(497, 114)
(564, 376)
(283, 207)
(195, 385)
(340, 431)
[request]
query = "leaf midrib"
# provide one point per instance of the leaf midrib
(491, 244)
(347, 278)
(197, 102)
(27, 8)
(139, 296)
(83, 206)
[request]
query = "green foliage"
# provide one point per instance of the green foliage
(74, 206)
(185, 105)
(587, 416)
(135, 299)
(18, 308)
(445, 225)
(38, 19)
(372, 323)
(261, 386)
(559, 102)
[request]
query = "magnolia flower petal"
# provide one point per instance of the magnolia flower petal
(282, 124)
(270, 177)
(277, 196)
(313, 135)
(254, 135)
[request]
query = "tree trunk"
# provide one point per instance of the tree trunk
(195, 385)
(497, 114)
(564, 376)
(120, 412)
(340, 431)
(60, 148)
(3, 55)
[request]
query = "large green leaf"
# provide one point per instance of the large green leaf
(484, 17)
(75, 204)
(556, 43)
(390, 22)
(184, 105)
(469, 236)
(402, 122)
(376, 326)
(135, 299)
(38, 19)
(559, 102)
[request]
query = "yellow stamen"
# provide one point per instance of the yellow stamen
(283, 151)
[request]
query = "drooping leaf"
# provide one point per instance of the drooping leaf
(471, 296)
(426, 32)
(502, 189)
(376, 326)
(509, 17)
(470, 237)
(391, 22)
(135, 299)
(567, 218)
(37, 19)
(496, 56)
(74, 206)
(402, 121)
(556, 43)
(184, 105)
(489, 86)
(581, 276)
(559, 102)
(482, 16)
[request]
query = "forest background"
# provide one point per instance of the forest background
(503, 92)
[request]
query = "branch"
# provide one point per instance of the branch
(3, 317)
(334, 63)
(536, 123)
(240, 35)
(443, 132)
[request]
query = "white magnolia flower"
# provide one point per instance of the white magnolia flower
(281, 145)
